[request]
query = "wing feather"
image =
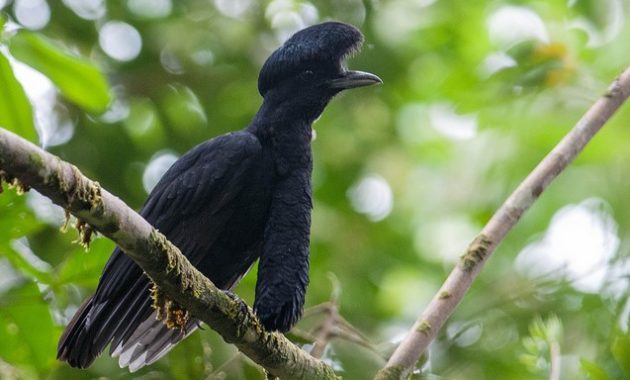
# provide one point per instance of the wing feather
(201, 183)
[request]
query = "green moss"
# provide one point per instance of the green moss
(66, 222)
(424, 327)
(82, 195)
(85, 233)
(110, 228)
(475, 253)
(36, 161)
(169, 311)
(87, 193)
(13, 183)
(56, 179)
(613, 90)
(9, 179)
(158, 300)
(269, 376)
(391, 373)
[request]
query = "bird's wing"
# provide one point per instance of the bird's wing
(204, 180)
(284, 261)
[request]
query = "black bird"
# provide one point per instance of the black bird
(227, 202)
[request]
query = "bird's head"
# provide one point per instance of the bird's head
(308, 69)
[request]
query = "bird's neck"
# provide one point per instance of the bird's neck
(287, 134)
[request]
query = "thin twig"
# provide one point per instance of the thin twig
(302, 335)
(350, 336)
(554, 353)
(351, 333)
(425, 329)
(326, 331)
(316, 310)
(334, 325)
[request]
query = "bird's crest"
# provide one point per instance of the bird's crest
(319, 47)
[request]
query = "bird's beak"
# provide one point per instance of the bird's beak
(354, 79)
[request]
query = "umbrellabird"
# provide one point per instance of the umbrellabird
(227, 202)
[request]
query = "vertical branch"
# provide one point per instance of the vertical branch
(427, 326)
(555, 359)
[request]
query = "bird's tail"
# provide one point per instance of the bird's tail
(139, 338)
(76, 345)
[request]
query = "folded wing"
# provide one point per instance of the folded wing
(189, 205)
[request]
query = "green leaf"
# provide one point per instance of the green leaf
(78, 79)
(16, 113)
(27, 265)
(28, 333)
(84, 268)
(593, 371)
(621, 352)
(16, 219)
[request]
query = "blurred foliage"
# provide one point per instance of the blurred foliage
(475, 94)
(79, 81)
(15, 110)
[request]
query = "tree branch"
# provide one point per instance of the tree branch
(555, 360)
(27, 165)
(425, 329)
(326, 331)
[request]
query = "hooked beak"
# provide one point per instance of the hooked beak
(354, 79)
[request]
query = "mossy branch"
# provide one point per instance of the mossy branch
(404, 359)
(27, 166)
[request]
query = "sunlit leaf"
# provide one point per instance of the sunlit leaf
(84, 268)
(78, 79)
(28, 265)
(16, 219)
(182, 107)
(621, 352)
(593, 371)
(27, 332)
(16, 113)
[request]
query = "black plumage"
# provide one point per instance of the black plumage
(227, 202)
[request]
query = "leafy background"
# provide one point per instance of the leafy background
(475, 94)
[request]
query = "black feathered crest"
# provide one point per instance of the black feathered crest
(319, 47)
